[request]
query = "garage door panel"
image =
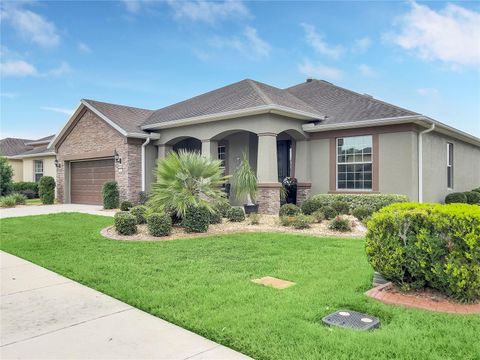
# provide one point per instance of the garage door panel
(87, 179)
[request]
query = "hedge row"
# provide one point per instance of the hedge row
(416, 245)
(373, 201)
(467, 197)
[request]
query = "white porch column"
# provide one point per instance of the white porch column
(268, 195)
(302, 170)
(163, 151)
(210, 149)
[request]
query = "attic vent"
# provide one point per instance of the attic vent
(309, 80)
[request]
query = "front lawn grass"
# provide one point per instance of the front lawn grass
(204, 285)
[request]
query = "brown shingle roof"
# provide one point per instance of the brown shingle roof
(13, 146)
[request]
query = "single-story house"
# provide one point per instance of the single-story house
(30, 159)
(331, 139)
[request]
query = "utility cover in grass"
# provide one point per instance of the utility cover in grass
(274, 282)
(352, 319)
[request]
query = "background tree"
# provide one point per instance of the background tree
(6, 174)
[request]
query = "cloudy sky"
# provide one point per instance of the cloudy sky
(424, 56)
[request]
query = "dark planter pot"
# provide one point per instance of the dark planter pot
(250, 209)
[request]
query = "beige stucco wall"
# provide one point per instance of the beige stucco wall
(49, 168)
(398, 164)
(319, 165)
(17, 167)
(466, 166)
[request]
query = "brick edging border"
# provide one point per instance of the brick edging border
(381, 294)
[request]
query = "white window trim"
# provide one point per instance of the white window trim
(450, 166)
(224, 167)
(351, 163)
(35, 173)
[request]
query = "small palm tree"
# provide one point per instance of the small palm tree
(187, 179)
(244, 182)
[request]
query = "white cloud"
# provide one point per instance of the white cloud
(63, 69)
(316, 41)
(318, 70)
(366, 70)
(249, 43)
(30, 25)
(362, 45)
(132, 6)
(208, 11)
(427, 91)
(17, 68)
(84, 48)
(58, 110)
(450, 35)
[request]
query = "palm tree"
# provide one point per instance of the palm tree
(244, 182)
(187, 179)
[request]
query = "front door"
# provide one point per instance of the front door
(283, 158)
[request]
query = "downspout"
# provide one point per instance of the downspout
(420, 161)
(143, 162)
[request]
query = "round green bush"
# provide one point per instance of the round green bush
(340, 223)
(473, 197)
(362, 212)
(196, 219)
(46, 190)
(416, 245)
(341, 207)
(6, 175)
(329, 212)
(318, 216)
(111, 196)
(309, 206)
(139, 212)
(477, 189)
(236, 214)
(223, 207)
(23, 186)
(215, 217)
(125, 223)
(159, 224)
(301, 221)
(126, 206)
(456, 198)
(290, 210)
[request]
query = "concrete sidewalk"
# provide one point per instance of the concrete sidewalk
(47, 316)
(28, 210)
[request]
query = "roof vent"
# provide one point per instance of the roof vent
(309, 80)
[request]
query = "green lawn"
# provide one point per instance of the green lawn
(204, 285)
(34, 202)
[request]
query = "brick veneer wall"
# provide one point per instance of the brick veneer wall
(91, 134)
(303, 192)
(268, 198)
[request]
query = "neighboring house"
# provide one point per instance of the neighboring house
(30, 159)
(331, 139)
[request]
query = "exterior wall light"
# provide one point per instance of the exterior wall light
(57, 164)
(118, 159)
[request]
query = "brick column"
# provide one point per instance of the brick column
(302, 170)
(268, 194)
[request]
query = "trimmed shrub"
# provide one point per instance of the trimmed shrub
(140, 213)
(290, 210)
(125, 223)
(456, 198)
(340, 223)
(476, 189)
(318, 216)
(8, 201)
(329, 212)
(254, 219)
(142, 197)
(46, 190)
(22, 186)
(374, 201)
(126, 205)
(301, 221)
(111, 197)
(20, 199)
(309, 206)
(473, 197)
(362, 212)
(196, 219)
(416, 245)
(159, 224)
(341, 207)
(29, 194)
(215, 217)
(236, 214)
(223, 208)
(286, 220)
(6, 174)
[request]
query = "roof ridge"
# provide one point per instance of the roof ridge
(109, 103)
(260, 92)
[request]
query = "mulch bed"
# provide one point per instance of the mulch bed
(268, 223)
(426, 299)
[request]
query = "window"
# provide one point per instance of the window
(222, 156)
(354, 163)
(450, 165)
(38, 170)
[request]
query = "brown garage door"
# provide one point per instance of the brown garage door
(87, 179)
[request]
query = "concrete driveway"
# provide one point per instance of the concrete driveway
(27, 210)
(47, 316)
